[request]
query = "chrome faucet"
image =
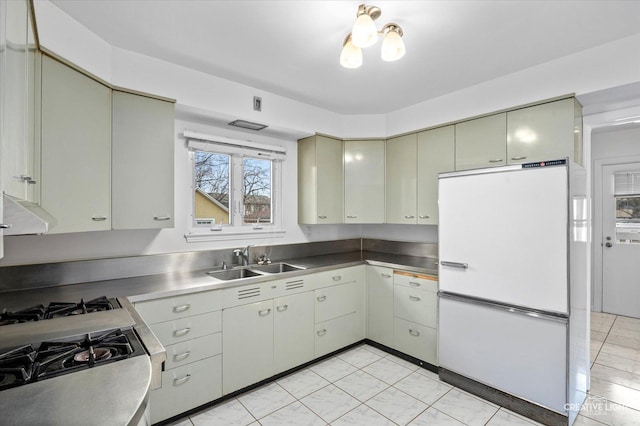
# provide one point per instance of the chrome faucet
(243, 254)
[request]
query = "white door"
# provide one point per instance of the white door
(621, 239)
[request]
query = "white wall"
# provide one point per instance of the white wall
(609, 65)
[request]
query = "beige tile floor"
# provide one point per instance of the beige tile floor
(366, 386)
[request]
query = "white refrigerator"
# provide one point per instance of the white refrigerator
(513, 251)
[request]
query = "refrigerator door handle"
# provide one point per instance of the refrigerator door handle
(454, 264)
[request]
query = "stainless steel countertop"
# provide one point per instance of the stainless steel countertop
(170, 284)
(125, 384)
(111, 394)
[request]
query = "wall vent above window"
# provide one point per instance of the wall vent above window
(247, 125)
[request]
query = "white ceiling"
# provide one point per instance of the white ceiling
(291, 48)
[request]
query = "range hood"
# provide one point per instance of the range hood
(25, 217)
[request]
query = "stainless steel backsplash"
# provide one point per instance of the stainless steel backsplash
(23, 277)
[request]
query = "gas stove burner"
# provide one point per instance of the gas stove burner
(15, 366)
(34, 313)
(57, 309)
(93, 355)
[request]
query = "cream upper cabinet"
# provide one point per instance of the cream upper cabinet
(19, 89)
(320, 180)
(548, 131)
(436, 154)
(481, 142)
(142, 162)
(76, 149)
(401, 179)
(364, 181)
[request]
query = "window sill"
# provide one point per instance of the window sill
(233, 234)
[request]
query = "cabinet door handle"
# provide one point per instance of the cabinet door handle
(27, 179)
(99, 218)
(424, 216)
(385, 275)
(322, 217)
(182, 356)
(351, 217)
(181, 308)
(321, 298)
(414, 298)
(5, 226)
(264, 312)
(409, 217)
(414, 284)
(282, 308)
(178, 333)
(322, 332)
(181, 380)
(497, 160)
(337, 277)
(414, 332)
(518, 158)
(454, 264)
(161, 217)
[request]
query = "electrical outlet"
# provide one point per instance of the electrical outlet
(257, 103)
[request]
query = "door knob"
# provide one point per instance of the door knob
(608, 245)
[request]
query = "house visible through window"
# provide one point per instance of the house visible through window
(212, 186)
(218, 200)
(256, 190)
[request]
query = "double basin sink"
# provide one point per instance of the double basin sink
(253, 271)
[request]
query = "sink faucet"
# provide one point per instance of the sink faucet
(243, 254)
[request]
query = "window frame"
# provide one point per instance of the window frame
(236, 229)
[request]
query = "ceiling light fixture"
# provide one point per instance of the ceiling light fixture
(365, 34)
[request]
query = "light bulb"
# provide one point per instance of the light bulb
(364, 32)
(392, 46)
(351, 56)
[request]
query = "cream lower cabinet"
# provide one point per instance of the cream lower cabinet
(248, 345)
(268, 329)
(401, 179)
(292, 331)
(380, 305)
(189, 327)
(415, 311)
(340, 309)
(76, 149)
(364, 181)
(436, 154)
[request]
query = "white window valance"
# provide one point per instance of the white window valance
(626, 183)
(224, 145)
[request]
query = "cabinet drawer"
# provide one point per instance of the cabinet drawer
(337, 333)
(193, 350)
(416, 340)
(250, 293)
(183, 329)
(410, 279)
(187, 387)
(168, 308)
(415, 305)
(338, 276)
(332, 302)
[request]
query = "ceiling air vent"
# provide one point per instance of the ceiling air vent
(247, 125)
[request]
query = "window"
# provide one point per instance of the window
(627, 197)
(235, 190)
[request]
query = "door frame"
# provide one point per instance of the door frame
(594, 189)
(598, 249)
